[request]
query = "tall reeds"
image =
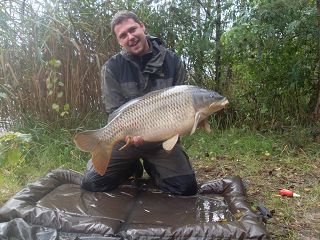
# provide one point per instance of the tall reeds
(50, 65)
(51, 53)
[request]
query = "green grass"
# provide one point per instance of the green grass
(235, 142)
(48, 150)
(267, 161)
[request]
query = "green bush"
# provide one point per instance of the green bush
(13, 148)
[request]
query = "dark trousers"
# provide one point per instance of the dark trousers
(171, 171)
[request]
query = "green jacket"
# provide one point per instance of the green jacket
(125, 76)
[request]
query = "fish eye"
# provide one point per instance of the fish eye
(211, 95)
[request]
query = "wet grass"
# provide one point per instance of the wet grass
(266, 161)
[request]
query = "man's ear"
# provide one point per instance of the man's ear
(143, 26)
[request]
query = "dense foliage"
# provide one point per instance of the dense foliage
(263, 55)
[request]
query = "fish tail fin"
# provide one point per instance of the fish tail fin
(101, 155)
(89, 141)
(86, 141)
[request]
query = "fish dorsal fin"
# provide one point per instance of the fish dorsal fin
(205, 125)
(196, 121)
(170, 143)
(119, 110)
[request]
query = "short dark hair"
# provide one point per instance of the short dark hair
(121, 16)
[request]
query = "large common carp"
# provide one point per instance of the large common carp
(161, 115)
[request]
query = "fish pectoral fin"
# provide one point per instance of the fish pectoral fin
(129, 141)
(170, 143)
(195, 124)
(205, 125)
(101, 156)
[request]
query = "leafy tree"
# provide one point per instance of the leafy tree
(273, 57)
(316, 112)
(261, 54)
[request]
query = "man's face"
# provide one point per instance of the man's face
(131, 37)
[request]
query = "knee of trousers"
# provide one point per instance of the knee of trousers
(185, 185)
(96, 183)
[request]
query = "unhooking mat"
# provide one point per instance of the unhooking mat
(55, 207)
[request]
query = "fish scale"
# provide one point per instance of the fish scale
(172, 104)
(162, 115)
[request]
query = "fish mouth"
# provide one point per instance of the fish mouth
(224, 102)
(216, 106)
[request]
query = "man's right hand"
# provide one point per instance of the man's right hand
(137, 141)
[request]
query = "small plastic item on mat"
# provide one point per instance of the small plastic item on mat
(288, 193)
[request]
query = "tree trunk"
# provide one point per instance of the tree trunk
(316, 112)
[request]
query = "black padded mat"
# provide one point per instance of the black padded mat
(55, 207)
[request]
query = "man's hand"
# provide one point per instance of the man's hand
(135, 140)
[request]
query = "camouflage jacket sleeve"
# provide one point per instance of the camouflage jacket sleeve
(180, 76)
(112, 97)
